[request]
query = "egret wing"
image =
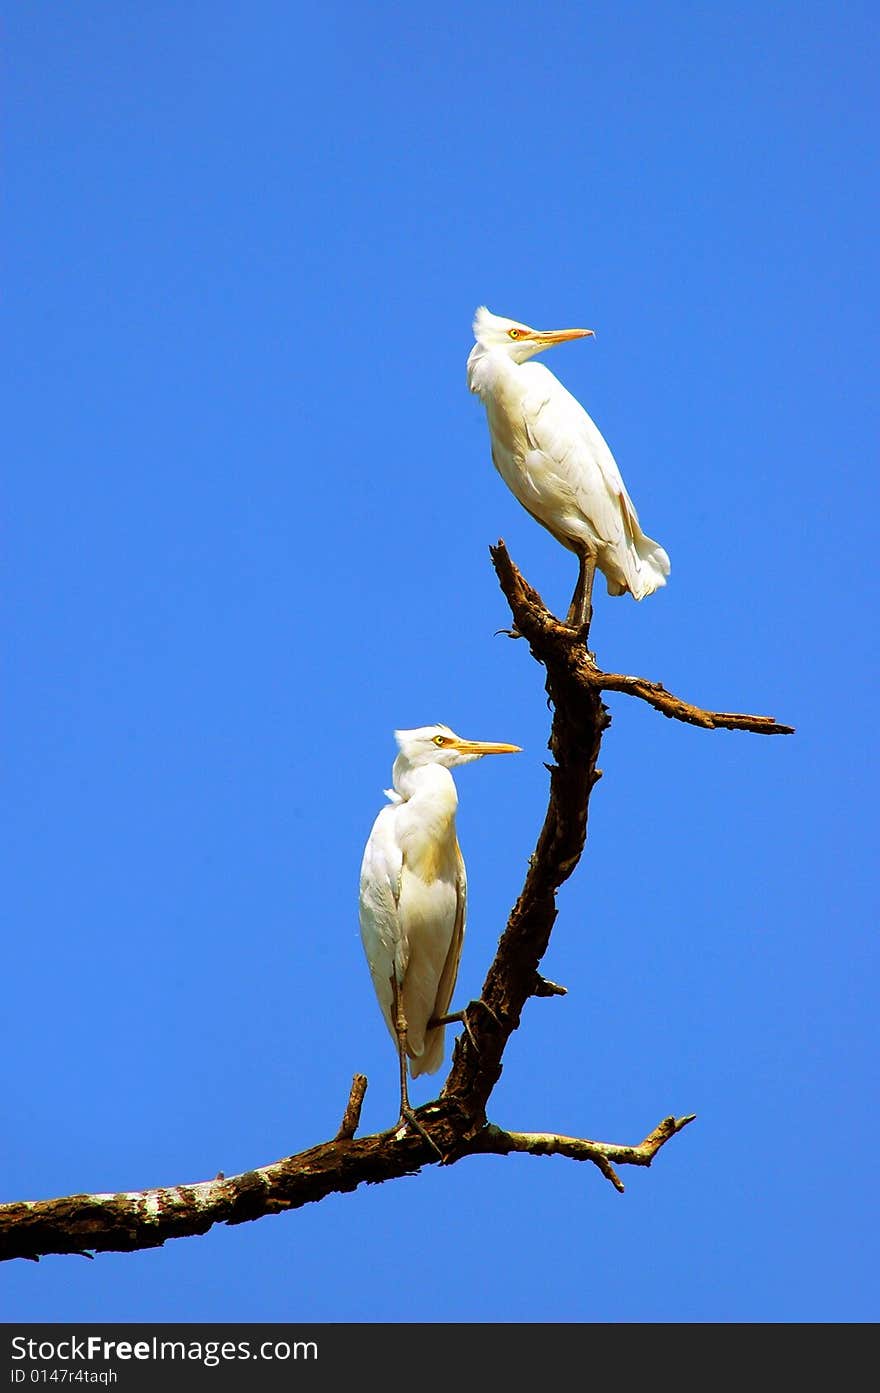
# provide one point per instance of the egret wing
(449, 976)
(558, 427)
(431, 1057)
(581, 478)
(379, 906)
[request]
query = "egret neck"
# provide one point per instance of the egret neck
(486, 369)
(427, 821)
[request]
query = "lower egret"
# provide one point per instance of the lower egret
(413, 894)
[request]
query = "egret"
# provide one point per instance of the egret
(413, 894)
(553, 458)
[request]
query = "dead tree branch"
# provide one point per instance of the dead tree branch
(494, 1141)
(457, 1119)
(672, 706)
(352, 1116)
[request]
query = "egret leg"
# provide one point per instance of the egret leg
(461, 1017)
(580, 611)
(406, 1112)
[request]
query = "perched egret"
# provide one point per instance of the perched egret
(551, 455)
(413, 893)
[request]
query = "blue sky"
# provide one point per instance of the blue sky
(249, 504)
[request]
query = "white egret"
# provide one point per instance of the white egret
(413, 894)
(552, 456)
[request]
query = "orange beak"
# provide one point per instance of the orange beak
(485, 747)
(551, 336)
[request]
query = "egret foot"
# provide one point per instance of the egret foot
(486, 1007)
(407, 1116)
(406, 1113)
(456, 1017)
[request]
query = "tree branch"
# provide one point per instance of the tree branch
(456, 1120)
(657, 696)
(603, 1154)
(352, 1116)
(134, 1220)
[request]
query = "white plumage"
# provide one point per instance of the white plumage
(554, 459)
(413, 893)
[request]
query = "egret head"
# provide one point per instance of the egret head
(440, 745)
(519, 341)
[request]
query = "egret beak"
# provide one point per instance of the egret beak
(485, 747)
(551, 336)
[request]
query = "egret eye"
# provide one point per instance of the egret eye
(514, 333)
(439, 739)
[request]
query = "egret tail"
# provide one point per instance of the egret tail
(431, 1057)
(641, 569)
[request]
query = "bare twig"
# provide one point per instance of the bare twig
(352, 1116)
(544, 987)
(657, 696)
(456, 1121)
(605, 1155)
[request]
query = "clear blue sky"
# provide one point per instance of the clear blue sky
(249, 506)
